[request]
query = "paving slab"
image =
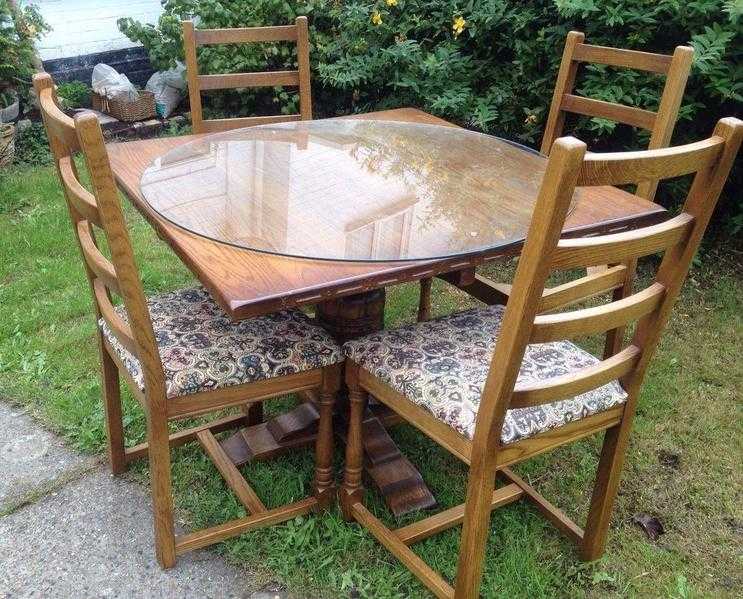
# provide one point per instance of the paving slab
(93, 538)
(32, 459)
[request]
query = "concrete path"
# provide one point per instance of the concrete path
(69, 529)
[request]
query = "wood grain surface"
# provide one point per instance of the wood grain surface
(248, 283)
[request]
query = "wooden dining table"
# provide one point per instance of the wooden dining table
(328, 214)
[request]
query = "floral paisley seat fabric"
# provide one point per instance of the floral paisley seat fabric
(441, 365)
(202, 349)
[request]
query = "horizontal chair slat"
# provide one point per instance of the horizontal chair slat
(575, 383)
(417, 531)
(619, 57)
(629, 115)
(237, 80)
(583, 288)
(118, 326)
(217, 126)
(621, 247)
(82, 200)
(590, 321)
(245, 35)
(188, 435)
(220, 532)
(620, 168)
(96, 261)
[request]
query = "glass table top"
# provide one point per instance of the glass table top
(348, 189)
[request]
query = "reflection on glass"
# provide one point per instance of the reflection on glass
(349, 189)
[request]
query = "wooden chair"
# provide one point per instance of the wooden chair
(162, 346)
(298, 33)
(660, 124)
(473, 383)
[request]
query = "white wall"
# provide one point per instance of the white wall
(87, 26)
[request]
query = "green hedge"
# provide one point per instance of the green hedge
(486, 64)
(20, 27)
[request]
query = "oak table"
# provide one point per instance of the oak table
(329, 213)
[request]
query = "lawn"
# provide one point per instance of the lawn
(684, 463)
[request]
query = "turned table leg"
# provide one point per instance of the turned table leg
(397, 479)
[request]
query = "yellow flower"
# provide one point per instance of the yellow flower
(457, 26)
(376, 18)
(531, 119)
(391, 2)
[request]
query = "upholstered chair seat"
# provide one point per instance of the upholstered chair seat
(441, 365)
(202, 349)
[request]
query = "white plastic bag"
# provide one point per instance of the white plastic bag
(168, 87)
(113, 85)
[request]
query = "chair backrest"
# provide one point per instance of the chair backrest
(677, 239)
(96, 212)
(660, 124)
(298, 33)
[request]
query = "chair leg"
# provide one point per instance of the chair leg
(324, 487)
(352, 491)
(475, 528)
(111, 392)
(605, 491)
(162, 492)
(424, 300)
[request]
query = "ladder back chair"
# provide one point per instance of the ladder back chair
(179, 352)
(660, 124)
(675, 68)
(193, 38)
(496, 386)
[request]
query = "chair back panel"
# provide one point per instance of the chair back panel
(621, 167)
(628, 245)
(193, 38)
(567, 386)
(676, 68)
(82, 200)
(620, 57)
(247, 35)
(676, 239)
(591, 321)
(100, 211)
(587, 287)
(100, 266)
(628, 115)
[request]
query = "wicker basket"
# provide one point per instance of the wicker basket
(7, 143)
(141, 109)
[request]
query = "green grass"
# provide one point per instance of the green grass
(690, 405)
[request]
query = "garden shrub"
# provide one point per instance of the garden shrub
(74, 94)
(18, 31)
(32, 147)
(486, 64)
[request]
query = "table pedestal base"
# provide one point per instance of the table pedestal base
(397, 479)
